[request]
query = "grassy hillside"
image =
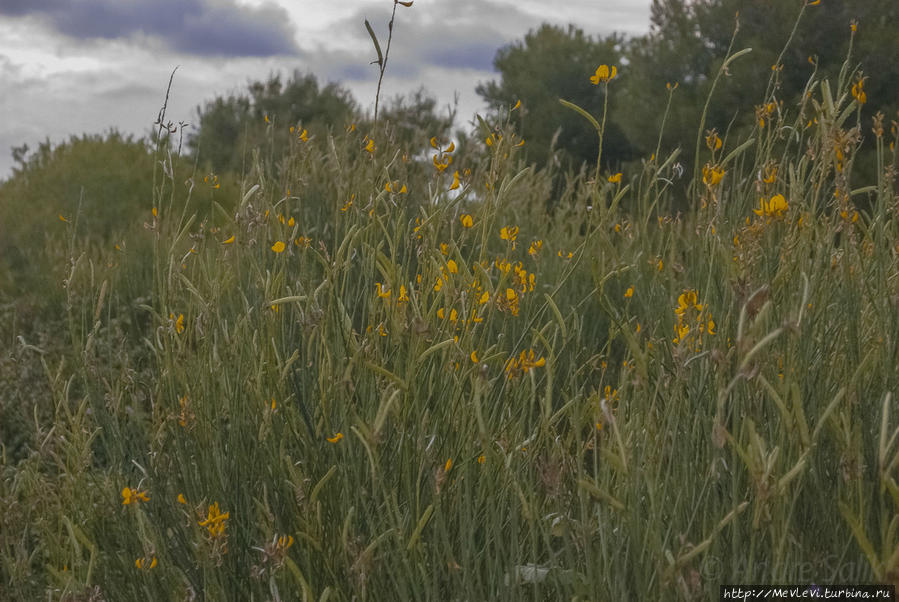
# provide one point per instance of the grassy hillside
(364, 371)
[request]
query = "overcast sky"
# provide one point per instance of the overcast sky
(74, 66)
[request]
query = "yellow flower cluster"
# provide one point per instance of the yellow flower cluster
(215, 521)
(133, 496)
(693, 320)
(774, 207)
(525, 362)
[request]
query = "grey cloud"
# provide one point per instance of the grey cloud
(463, 34)
(200, 27)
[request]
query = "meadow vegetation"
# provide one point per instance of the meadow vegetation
(376, 366)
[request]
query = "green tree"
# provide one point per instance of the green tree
(549, 64)
(688, 42)
(230, 127)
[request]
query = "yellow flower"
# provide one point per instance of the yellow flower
(509, 234)
(485, 297)
(304, 135)
(382, 292)
(403, 298)
(713, 140)
(62, 219)
(517, 105)
(337, 437)
(278, 247)
(215, 521)
(615, 178)
(858, 92)
(467, 221)
(448, 465)
(434, 141)
(770, 174)
(604, 74)
(712, 175)
(452, 267)
(143, 563)
(181, 499)
(179, 322)
(776, 206)
(482, 458)
(474, 357)
(455, 183)
(629, 292)
(133, 496)
(535, 248)
(370, 147)
(229, 241)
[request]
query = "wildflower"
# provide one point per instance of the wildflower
(179, 322)
(509, 234)
(713, 140)
(604, 74)
(660, 265)
(403, 298)
(629, 292)
(474, 357)
(143, 563)
(337, 437)
(229, 240)
(382, 293)
(304, 135)
(712, 175)
(564, 256)
(442, 162)
(133, 496)
(467, 221)
(62, 219)
(154, 212)
(186, 414)
(452, 267)
(278, 247)
(381, 332)
(215, 521)
(858, 92)
(370, 147)
(448, 465)
(517, 105)
(535, 248)
(182, 499)
(525, 362)
(455, 183)
(770, 174)
(485, 297)
(776, 206)
(615, 178)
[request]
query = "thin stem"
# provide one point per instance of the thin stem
(383, 65)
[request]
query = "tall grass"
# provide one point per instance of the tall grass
(675, 400)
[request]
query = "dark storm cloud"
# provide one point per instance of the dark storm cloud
(200, 27)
